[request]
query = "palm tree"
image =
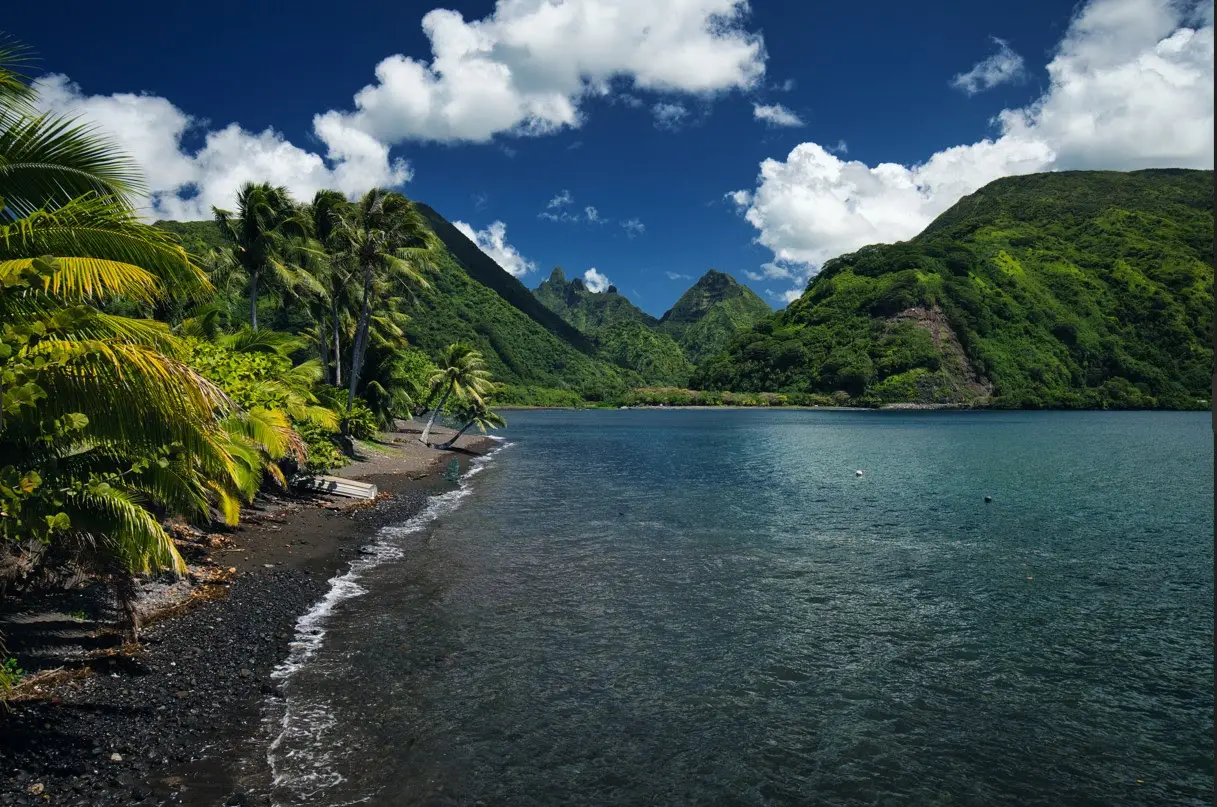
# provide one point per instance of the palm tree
(475, 413)
(267, 234)
(326, 213)
(388, 242)
(100, 420)
(463, 372)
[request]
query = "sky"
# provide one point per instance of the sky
(634, 142)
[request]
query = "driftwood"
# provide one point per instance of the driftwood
(337, 486)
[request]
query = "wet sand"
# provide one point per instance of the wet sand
(176, 721)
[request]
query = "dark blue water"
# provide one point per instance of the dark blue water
(710, 607)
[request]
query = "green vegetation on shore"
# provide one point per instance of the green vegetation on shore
(142, 380)
(711, 313)
(623, 333)
(659, 351)
(1069, 290)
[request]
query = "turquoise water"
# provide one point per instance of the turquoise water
(711, 607)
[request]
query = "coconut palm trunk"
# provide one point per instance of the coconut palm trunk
(337, 343)
(323, 344)
(253, 300)
(360, 348)
(434, 413)
(457, 436)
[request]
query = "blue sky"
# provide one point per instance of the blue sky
(760, 143)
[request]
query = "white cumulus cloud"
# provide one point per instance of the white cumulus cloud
(493, 241)
(775, 115)
(526, 68)
(185, 184)
(595, 281)
(999, 68)
(1131, 87)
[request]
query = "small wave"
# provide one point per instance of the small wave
(303, 725)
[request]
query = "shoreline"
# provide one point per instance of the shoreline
(898, 407)
(178, 720)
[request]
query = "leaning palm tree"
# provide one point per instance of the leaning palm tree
(389, 244)
(462, 372)
(267, 233)
(475, 413)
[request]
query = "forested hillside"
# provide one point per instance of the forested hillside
(1071, 289)
(623, 333)
(537, 356)
(711, 313)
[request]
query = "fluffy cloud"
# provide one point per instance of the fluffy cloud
(593, 215)
(669, 116)
(493, 241)
(775, 115)
(1000, 68)
(633, 227)
(1131, 87)
(678, 276)
(560, 200)
(526, 68)
(773, 271)
(595, 281)
(185, 185)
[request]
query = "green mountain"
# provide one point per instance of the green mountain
(1070, 289)
(541, 358)
(483, 269)
(623, 333)
(713, 311)
(199, 237)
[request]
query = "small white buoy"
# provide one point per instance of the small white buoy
(857, 473)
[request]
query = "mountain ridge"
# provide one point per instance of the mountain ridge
(1069, 289)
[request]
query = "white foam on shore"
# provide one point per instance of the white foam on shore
(306, 768)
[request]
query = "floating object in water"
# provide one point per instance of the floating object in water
(857, 473)
(988, 499)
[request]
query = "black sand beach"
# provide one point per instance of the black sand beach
(173, 721)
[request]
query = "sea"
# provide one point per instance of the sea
(776, 607)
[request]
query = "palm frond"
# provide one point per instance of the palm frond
(125, 527)
(48, 160)
(102, 229)
(16, 95)
(247, 340)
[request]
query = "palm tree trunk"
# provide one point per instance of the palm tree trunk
(427, 430)
(126, 592)
(253, 300)
(457, 436)
(323, 342)
(337, 343)
(361, 335)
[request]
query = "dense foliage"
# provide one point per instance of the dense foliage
(132, 391)
(1072, 289)
(536, 363)
(622, 333)
(711, 313)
